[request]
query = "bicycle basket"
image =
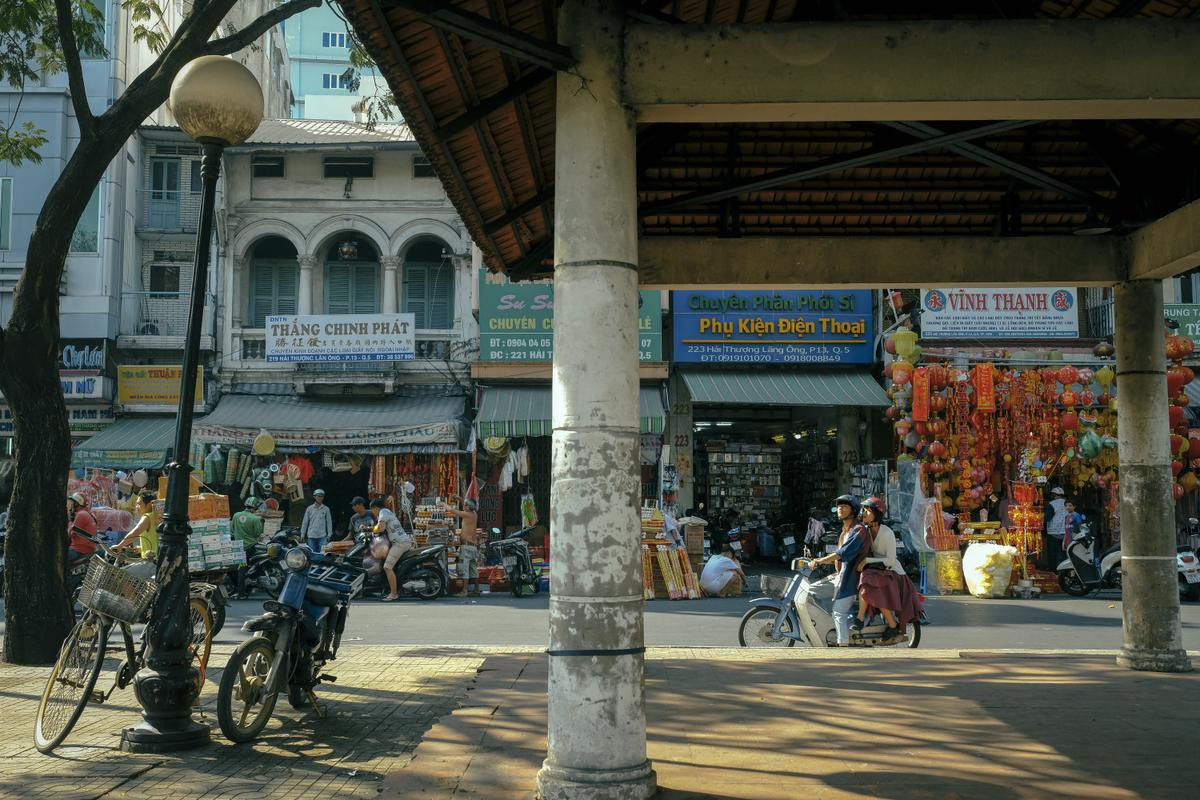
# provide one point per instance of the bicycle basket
(110, 590)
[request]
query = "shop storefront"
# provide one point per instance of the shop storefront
(771, 400)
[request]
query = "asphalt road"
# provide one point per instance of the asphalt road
(958, 622)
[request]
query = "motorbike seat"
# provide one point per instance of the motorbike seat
(321, 595)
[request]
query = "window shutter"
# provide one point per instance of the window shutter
(337, 288)
(262, 293)
(366, 289)
(441, 295)
(287, 285)
(416, 292)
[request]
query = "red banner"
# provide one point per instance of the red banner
(985, 387)
(920, 401)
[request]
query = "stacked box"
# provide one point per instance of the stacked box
(693, 536)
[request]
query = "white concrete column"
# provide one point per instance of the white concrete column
(596, 714)
(391, 265)
(304, 301)
(1150, 601)
(232, 312)
(849, 448)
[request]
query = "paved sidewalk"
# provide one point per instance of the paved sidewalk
(891, 724)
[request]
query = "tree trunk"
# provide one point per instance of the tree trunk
(36, 604)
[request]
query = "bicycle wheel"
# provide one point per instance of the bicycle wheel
(71, 682)
(201, 619)
(244, 701)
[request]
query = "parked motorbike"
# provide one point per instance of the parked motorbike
(805, 614)
(788, 542)
(421, 572)
(292, 642)
(518, 564)
(264, 573)
(1078, 574)
(2, 537)
(1189, 573)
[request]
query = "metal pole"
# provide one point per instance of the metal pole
(1150, 605)
(167, 686)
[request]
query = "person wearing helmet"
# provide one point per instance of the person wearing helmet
(247, 528)
(145, 532)
(853, 545)
(883, 584)
(81, 526)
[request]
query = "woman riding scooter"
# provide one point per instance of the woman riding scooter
(853, 545)
(883, 584)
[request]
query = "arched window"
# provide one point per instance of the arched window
(274, 279)
(351, 277)
(429, 284)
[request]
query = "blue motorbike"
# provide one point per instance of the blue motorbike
(292, 642)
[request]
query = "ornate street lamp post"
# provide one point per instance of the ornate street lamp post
(217, 102)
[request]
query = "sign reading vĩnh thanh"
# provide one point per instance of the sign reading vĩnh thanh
(341, 337)
(1037, 313)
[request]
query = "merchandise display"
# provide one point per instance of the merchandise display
(667, 569)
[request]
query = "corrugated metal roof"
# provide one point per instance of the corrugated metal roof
(128, 442)
(363, 426)
(324, 131)
(816, 388)
(527, 411)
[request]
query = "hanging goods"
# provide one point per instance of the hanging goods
(264, 443)
(529, 516)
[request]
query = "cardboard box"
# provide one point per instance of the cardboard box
(693, 538)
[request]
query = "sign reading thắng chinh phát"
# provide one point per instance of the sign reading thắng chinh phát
(341, 337)
(516, 322)
(764, 327)
(1014, 313)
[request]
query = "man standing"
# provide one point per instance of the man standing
(1056, 526)
(468, 550)
(400, 542)
(317, 525)
(247, 527)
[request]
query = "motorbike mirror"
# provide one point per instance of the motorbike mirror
(799, 564)
(496, 531)
(274, 549)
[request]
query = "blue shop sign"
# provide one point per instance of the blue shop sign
(788, 327)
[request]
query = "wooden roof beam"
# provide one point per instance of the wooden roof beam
(914, 70)
(449, 17)
(490, 105)
(814, 262)
(1168, 246)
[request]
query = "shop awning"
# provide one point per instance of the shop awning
(762, 388)
(130, 442)
(371, 427)
(526, 411)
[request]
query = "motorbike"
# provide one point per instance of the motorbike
(2, 537)
(421, 572)
(805, 614)
(1078, 574)
(1189, 573)
(292, 642)
(263, 572)
(518, 564)
(788, 542)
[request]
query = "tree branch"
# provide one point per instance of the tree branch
(246, 36)
(70, 49)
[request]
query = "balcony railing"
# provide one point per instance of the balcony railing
(1099, 311)
(170, 210)
(160, 313)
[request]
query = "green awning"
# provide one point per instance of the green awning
(130, 442)
(764, 388)
(526, 411)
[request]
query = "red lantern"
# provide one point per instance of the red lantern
(1068, 399)
(1068, 375)
(1178, 443)
(1177, 416)
(1176, 467)
(922, 428)
(937, 449)
(1104, 399)
(1181, 400)
(1178, 491)
(1177, 378)
(1087, 398)
(1194, 443)
(937, 403)
(1069, 441)
(892, 413)
(901, 372)
(1069, 421)
(889, 346)
(938, 427)
(1179, 347)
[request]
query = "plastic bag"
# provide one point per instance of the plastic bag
(987, 568)
(529, 516)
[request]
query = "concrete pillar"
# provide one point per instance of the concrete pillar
(1150, 602)
(596, 733)
(850, 451)
(390, 266)
(304, 304)
(681, 437)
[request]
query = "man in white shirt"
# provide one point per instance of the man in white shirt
(1056, 526)
(317, 525)
(722, 575)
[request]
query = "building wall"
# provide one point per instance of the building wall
(311, 58)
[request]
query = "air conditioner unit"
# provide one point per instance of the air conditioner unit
(148, 329)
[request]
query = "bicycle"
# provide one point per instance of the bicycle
(111, 596)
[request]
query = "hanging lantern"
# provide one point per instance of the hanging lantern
(1068, 375)
(1177, 416)
(1087, 398)
(1181, 400)
(891, 412)
(1068, 399)
(905, 341)
(1069, 421)
(1176, 466)
(1189, 482)
(922, 428)
(938, 427)
(1177, 377)
(1104, 376)
(889, 346)
(347, 250)
(1179, 347)
(937, 449)
(1085, 376)
(1179, 444)
(1178, 492)
(1069, 441)
(888, 370)
(1104, 399)
(903, 427)
(937, 403)
(1103, 350)
(1193, 451)
(902, 372)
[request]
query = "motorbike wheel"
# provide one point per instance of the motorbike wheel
(434, 585)
(271, 580)
(218, 618)
(243, 684)
(1185, 590)
(297, 697)
(755, 630)
(1070, 583)
(914, 634)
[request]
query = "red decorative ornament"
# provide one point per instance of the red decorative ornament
(892, 413)
(937, 449)
(1068, 375)
(901, 372)
(1178, 376)
(889, 345)
(1049, 377)
(1069, 421)
(1087, 398)
(922, 428)
(1178, 491)
(1177, 416)
(903, 427)
(1104, 399)
(1176, 467)
(1069, 441)
(1179, 347)
(937, 403)
(1068, 399)
(938, 427)
(1194, 443)
(1181, 400)
(1178, 444)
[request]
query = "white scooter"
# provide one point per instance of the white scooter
(1078, 574)
(805, 614)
